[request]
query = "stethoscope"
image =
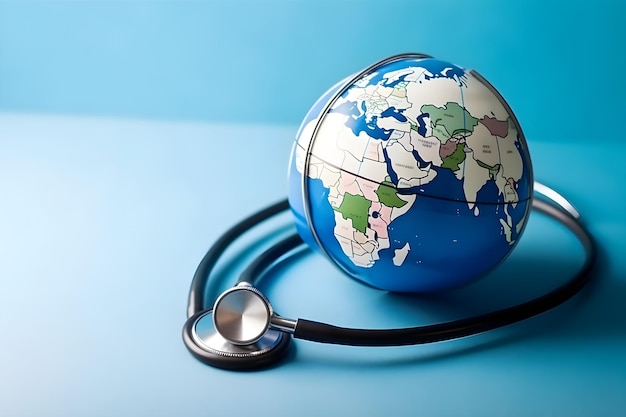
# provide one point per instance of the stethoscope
(241, 330)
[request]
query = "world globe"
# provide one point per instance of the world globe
(411, 176)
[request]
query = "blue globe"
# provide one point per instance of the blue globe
(411, 176)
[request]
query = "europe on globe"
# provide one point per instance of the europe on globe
(412, 175)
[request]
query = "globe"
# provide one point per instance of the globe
(411, 176)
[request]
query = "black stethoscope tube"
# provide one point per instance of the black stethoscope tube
(210, 259)
(326, 333)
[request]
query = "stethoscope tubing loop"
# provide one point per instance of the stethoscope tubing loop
(310, 330)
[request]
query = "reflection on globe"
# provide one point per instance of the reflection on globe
(411, 176)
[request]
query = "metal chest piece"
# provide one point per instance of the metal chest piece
(236, 333)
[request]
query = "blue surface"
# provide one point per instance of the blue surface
(104, 221)
(125, 152)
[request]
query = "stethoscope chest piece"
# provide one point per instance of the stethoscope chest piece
(236, 333)
(242, 314)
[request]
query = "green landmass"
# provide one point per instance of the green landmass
(453, 160)
(461, 131)
(387, 195)
(355, 208)
(449, 120)
(441, 133)
(493, 170)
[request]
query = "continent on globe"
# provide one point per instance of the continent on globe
(355, 208)
(449, 121)
(401, 254)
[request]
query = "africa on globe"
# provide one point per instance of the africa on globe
(413, 175)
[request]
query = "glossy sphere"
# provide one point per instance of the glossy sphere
(411, 176)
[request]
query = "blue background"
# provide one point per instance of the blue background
(132, 133)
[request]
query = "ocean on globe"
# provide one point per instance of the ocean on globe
(411, 176)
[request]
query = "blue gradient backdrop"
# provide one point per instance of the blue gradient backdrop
(132, 133)
(267, 61)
